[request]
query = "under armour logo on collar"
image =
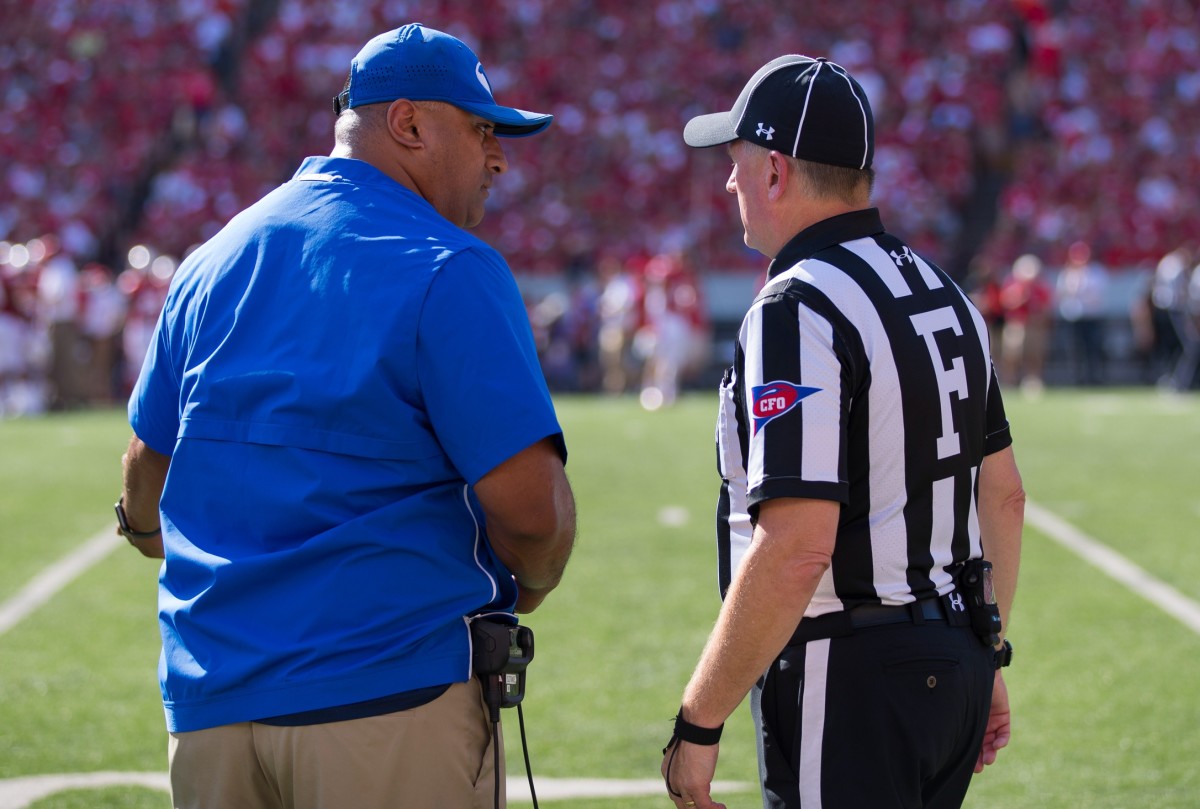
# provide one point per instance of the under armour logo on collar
(764, 131)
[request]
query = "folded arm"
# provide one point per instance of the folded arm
(530, 512)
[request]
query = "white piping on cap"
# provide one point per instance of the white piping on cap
(804, 112)
(738, 123)
(841, 71)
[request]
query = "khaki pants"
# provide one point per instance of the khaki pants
(436, 756)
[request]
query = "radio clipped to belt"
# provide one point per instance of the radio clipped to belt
(501, 652)
(973, 579)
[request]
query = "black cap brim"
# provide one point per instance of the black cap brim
(710, 130)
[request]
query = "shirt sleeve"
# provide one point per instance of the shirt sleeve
(793, 391)
(154, 403)
(478, 368)
(998, 435)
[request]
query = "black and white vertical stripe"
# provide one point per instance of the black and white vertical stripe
(897, 428)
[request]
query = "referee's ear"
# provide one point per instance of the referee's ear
(776, 171)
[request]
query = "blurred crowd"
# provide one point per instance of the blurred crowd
(72, 336)
(1026, 305)
(76, 336)
(636, 326)
(1006, 129)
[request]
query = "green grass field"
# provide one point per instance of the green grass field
(1106, 686)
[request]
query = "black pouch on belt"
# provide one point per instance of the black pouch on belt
(974, 581)
(500, 653)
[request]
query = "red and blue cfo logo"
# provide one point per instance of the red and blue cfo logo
(772, 400)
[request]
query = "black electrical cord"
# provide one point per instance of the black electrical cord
(524, 750)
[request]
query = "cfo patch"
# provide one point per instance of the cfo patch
(772, 400)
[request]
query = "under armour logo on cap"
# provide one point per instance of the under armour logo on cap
(817, 109)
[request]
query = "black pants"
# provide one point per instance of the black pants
(891, 716)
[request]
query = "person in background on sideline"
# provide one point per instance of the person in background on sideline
(867, 472)
(13, 337)
(1025, 298)
(983, 285)
(1176, 293)
(1080, 296)
(343, 428)
(103, 310)
(58, 310)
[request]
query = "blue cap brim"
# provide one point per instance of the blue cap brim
(510, 122)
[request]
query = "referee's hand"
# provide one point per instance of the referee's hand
(999, 730)
(688, 770)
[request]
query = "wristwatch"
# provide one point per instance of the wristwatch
(1003, 655)
(123, 523)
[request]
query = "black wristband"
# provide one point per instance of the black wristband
(694, 734)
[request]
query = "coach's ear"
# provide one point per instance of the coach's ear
(402, 123)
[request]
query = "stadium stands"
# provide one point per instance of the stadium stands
(1005, 128)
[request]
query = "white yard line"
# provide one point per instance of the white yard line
(46, 584)
(566, 788)
(18, 793)
(1092, 551)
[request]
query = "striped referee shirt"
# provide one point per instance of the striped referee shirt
(862, 375)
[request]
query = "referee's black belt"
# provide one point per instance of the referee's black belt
(946, 610)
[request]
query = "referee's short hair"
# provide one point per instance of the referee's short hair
(828, 181)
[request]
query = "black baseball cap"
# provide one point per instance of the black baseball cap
(422, 64)
(804, 107)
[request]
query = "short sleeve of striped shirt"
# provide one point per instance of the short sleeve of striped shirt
(999, 435)
(797, 407)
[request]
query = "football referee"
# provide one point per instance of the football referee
(870, 515)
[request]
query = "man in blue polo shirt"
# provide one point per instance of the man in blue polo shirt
(344, 436)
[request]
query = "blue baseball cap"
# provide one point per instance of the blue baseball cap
(422, 64)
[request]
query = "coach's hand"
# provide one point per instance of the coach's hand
(151, 547)
(688, 770)
(529, 598)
